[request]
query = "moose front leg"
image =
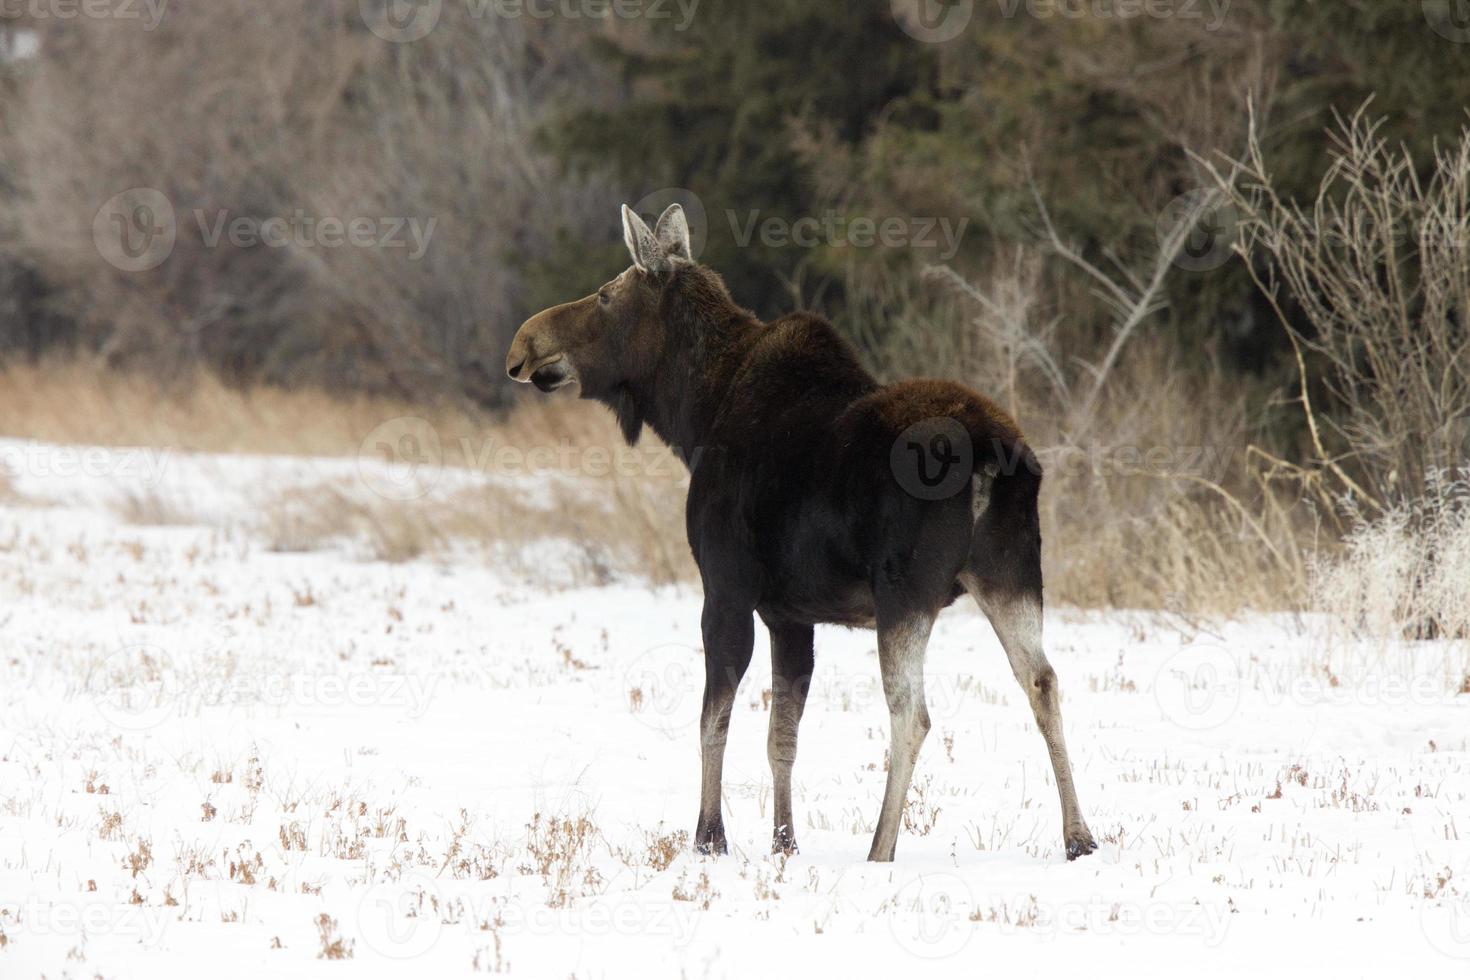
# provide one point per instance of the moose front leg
(729, 633)
(791, 678)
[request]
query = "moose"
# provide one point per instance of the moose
(816, 495)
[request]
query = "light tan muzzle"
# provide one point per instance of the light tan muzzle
(535, 354)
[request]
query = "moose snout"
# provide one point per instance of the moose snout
(518, 361)
(538, 354)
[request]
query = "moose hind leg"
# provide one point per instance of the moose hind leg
(791, 678)
(1017, 622)
(901, 647)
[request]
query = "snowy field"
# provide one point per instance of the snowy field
(226, 761)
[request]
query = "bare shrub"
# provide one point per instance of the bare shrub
(1379, 267)
(1150, 499)
(1405, 571)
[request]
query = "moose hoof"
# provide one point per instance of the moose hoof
(881, 853)
(712, 847)
(709, 838)
(1080, 844)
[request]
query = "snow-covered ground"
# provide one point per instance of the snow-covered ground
(217, 760)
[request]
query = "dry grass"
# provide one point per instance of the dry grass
(1139, 519)
(636, 529)
(153, 509)
(613, 511)
(82, 403)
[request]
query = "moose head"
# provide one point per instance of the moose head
(615, 336)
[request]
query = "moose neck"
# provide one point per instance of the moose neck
(706, 336)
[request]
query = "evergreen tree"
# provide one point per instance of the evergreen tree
(711, 109)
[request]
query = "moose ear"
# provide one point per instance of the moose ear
(642, 245)
(672, 232)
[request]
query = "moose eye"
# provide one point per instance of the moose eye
(604, 298)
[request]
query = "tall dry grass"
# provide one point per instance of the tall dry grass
(562, 498)
(597, 533)
(83, 402)
(1122, 527)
